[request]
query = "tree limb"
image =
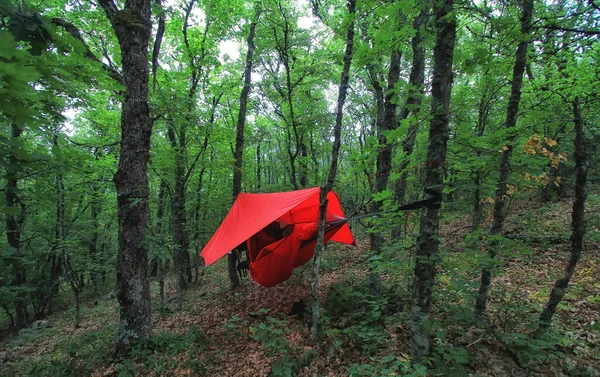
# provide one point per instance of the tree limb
(109, 8)
(580, 31)
(88, 54)
(160, 32)
(204, 147)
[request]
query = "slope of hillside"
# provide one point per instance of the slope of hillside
(254, 331)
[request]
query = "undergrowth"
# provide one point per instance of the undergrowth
(362, 334)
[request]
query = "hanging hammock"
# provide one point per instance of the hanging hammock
(279, 230)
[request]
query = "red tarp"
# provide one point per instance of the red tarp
(272, 259)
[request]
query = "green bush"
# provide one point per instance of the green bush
(356, 317)
(388, 365)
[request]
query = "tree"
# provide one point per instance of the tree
(344, 82)
(387, 120)
(239, 138)
(132, 26)
(415, 90)
(426, 255)
(502, 188)
(14, 225)
(577, 222)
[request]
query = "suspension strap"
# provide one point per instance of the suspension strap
(433, 202)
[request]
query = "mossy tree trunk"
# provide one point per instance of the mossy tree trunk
(15, 219)
(133, 28)
(512, 110)
(337, 131)
(232, 258)
(427, 252)
(577, 223)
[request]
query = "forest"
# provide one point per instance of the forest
(460, 136)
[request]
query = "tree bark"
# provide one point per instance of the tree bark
(502, 189)
(133, 27)
(14, 224)
(337, 131)
(482, 115)
(159, 262)
(181, 240)
(303, 164)
(197, 206)
(54, 260)
(389, 122)
(160, 32)
(577, 223)
(96, 208)
(258, 166)
(416, 87)
(426, 255)
(232, 257)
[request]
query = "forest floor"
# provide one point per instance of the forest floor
(251, 331)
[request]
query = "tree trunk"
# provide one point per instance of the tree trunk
(77, 308)
(482, 115)
(416, 86)
(258, 167)
(303, 164)
(14, 224)
(133, 27)
(232, 257)
(426, 255)
(344, 83)
(502, 189)
(161, 284)
(180, 236)
(181, 240)
(160, 32)
(577, 223)
(198, 204)
(384, 156)
(60, 231)
(54, 259)
(96, 208)
(158, 229)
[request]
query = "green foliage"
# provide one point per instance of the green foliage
(449, 360)
(388, 365)
(537, 351)
(162, 355)
(271, 332)
(61, 95)
(75, 355)
(356, 318)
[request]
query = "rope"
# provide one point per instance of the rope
(369, 215)
(433, 202)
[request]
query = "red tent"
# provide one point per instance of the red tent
(279, 230)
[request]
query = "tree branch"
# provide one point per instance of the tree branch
(109, 8)
(580, 31)
(88, 54)
(157, 42)
(204, 147)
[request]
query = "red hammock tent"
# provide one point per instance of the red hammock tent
(260, 220)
